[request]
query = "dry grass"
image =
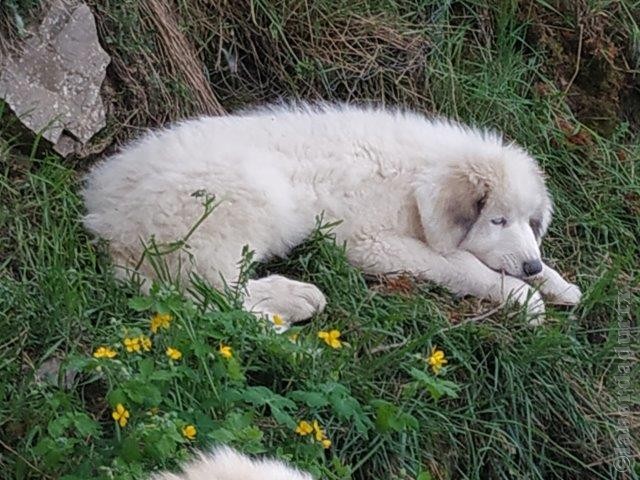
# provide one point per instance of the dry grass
(559, 77)
(179, 56)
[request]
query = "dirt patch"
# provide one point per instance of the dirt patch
(402, 284)
(589, 56)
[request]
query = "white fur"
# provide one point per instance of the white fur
(414, 195)
(227, 464)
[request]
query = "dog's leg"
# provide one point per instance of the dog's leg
(276, 295)
(555, 288)
(460, 271)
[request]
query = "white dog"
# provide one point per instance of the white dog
(227, 464)
(441, 201)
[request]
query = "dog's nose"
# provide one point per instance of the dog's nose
(532, 267)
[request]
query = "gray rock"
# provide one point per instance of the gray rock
(49, 373)
(53, 84)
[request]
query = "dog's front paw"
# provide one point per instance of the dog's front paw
(304, 301)
(556, 289)
(284, 301)
(570, 295)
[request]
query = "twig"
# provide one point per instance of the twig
(474, 319)
(8, 448)
(482, 316)
(577, 69)
(384, 348)
(181, 55)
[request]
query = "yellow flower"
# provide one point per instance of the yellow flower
(132, 344)
(189, 432)
(331, 338)
(304, 428)
(136, 344)
(277, 320)
(120, 415)
(436, 360)
(145, 343)
(160, 320)
(104, 352)
(226, 351)
(294, 337)
(174, 353)
(319, 433)
(320, 436)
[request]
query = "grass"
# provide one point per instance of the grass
(513, 402)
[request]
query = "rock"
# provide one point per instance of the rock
(53, 84)
(49, 373)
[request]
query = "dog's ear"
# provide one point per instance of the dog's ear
(540, 222)
(449, 205)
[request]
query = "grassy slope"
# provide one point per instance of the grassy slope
(531, 403)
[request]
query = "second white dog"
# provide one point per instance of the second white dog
(227, 464)
(443, 202)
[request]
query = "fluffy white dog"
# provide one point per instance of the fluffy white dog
(227, 464)
(441, 201)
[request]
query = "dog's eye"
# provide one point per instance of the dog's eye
(499, 221)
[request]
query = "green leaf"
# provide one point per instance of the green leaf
(424, 476)
(58, 426)
(130, 449)
(282, 417)
(146, 367)
(85, 425)
(231, 395)
(312, 399)
(202, 350)
(79, 363)
(53, 451)
(165, 446)
(238, 420)
(237, 427)
(435, 386)
(257, 395)
(222, 435)
(346, 406)
(116, 396)
(162, 375)
(140, 304)
(234, 370)
(142, 393)
(390, 417)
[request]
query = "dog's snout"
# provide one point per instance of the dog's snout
(532, 267)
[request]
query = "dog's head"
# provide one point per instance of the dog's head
(492, 203)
